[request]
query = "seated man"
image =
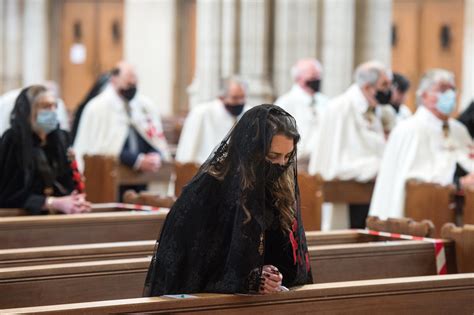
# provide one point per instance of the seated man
(305, 101)
(119, 122)
(207, 124)
(351, 140)
(429, 146)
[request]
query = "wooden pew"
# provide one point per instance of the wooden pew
(124, 278)
(451, 294)
(184, 172)
(430, 201)
(464, 240)
(49, 230)
(148, 198)
(32, 256)
(104, 174)
(311, 196)
(405, 226)
(468, 211)
(352, 192)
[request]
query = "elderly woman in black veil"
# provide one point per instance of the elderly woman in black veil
(236, 228)
(36, 172)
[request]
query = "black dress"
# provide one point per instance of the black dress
(208, 244)
(49, 174)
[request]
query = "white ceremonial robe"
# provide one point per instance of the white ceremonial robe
(348, 147)
(306, 110)
(204, 128)
(104, 126)
(418, 149)
(7, 102)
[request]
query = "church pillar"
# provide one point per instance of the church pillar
(205, 85)
(296, 36)
(254, 50)
(338, 45)
(11, 45)
(35, 41)
(229, 41)
(373, 31)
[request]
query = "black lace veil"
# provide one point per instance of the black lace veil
(212, 238)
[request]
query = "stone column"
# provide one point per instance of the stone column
(373, 31)
(468, 59)
(337, 45)
(205, 84)
(35, 41)
(254, 61)
(295, 36)
(149, 44)
(12, 45)
(229, 37)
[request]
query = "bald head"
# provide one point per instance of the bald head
(307, 73)
(123, 76)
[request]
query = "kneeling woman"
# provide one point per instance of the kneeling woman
(237, 226)
(35, 172)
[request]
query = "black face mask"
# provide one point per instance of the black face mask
(273, 171)
(383, 97)
(314, 85)
(129, 93)
(235, 110)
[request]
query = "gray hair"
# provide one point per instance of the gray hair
(296, 69)
(225, 84)
(430, 79)
(370, 72)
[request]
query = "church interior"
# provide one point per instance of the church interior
(237, 156)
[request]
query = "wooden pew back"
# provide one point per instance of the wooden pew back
(184, 173)
(311, 200)
(405, 226)
(430, 201)
(352, 192)
(464, 241)
(468, 211)
(148, 198)
(50, 230)
(415, 295)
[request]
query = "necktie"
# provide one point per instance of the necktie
(446, 129)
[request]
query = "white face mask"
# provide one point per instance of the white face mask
(47, 120)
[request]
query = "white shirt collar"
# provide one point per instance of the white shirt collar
(296, 89)
(429, 117)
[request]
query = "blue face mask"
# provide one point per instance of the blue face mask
(446, 102)
(47, 120)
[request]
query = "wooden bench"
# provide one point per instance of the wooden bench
(49, 230)
(32, 256)
(405, 226)
(464, 240)
(311, 196)
(148, 198)
(351, 192)
(104, 174)
(451, 294)
(184, 172)
(124, 278)
(430, 201)
(468, 212)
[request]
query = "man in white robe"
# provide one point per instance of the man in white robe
(305, 102)
(207, 124)
(396, 111)
(428, 146)
(7, 102)
(351, 140)
(123, 123)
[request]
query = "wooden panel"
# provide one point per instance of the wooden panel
(110, 34)
(92, 281)
(405, 50)
(311, 200)
(78, 27)
(184, 173)
(429, 201)
(49, 230)
(468, 212)
(464, 240)
(435, 15)
(101, 178)
(405, 226)
(339, 191)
